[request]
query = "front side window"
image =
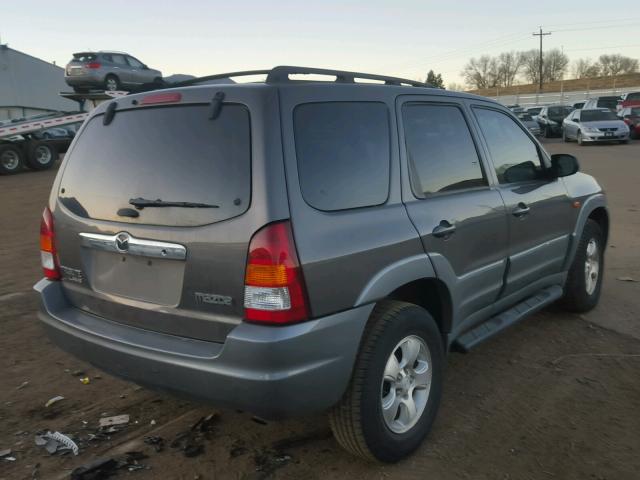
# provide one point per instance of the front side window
(441, 153)
(343, 153)
(515, 156)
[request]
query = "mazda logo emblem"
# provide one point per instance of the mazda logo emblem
(122, 242)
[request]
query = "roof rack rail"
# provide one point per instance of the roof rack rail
(281, 74)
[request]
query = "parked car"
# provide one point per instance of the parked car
(292, 261)
(550, 119)
(631, 116)
(528, 121)
(533, 111)
(601, 125)
(110, 71)
(55, 132)
(578, 105)
(609, 102)
(630, 99)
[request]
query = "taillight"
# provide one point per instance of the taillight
(167, 97)
(48, 255)
(274, 290)
(93, 65)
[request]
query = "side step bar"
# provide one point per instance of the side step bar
(507, 318)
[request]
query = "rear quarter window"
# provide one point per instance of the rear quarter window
(343, 154)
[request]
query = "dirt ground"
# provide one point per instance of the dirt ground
(556, 397)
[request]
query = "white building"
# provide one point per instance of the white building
(30, 86)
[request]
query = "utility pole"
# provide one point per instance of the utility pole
(541, 34)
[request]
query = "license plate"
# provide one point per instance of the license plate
(608, 134)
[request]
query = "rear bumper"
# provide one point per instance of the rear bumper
(88, 79)
(273, 372)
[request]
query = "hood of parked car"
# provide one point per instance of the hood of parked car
(604, 124)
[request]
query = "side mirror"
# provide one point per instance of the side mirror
(563, 165)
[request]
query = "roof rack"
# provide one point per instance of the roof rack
(281, 75)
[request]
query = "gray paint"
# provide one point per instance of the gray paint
(29, 85)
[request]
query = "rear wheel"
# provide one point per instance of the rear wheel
(111, 83)
(42, 156)
(11, 159)
(584, 282)
(395, 389)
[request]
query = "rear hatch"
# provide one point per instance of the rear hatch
(176, 268)
(78, 64)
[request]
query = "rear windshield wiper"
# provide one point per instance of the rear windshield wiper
(143, 202)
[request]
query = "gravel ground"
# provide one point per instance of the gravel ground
(556, 397)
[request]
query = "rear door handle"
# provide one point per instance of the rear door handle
(521, 210)
(444, 230)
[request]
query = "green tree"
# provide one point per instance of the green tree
(435, 80)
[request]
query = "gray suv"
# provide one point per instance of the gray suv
(291, 246)
(110, 71)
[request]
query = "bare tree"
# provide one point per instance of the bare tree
(585, 68)
(617, 64)
(509, 64)
(531, 66)
(456, 87)
(554, 65)
(481, 72)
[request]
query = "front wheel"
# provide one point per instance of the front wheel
(11, 160)
(42, 155)
(584, 282)
(396, 385)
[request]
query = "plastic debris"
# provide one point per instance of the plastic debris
(55, 441)
(191, 442)
(22, 385)
(155, 441)
(53, 400)
(85, 380)
(106, 467)
(115, 421)
(152, 422)
(6, 455)
(627, 279)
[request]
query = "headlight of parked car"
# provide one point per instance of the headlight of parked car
(591, 130)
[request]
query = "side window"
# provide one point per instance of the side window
(515, 156)
(134, 63)
(441, 153)
(107, 57)
(119, 59)
(343, 152)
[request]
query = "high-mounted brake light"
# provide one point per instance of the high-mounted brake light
(93, 65)
(274, 291)
(168, 97)
(48, 256)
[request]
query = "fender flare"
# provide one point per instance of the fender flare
(589, 205)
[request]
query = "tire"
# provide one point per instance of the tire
(11, 159)
(357, 421)
(112, 83)
(41, 155)
(580, 295)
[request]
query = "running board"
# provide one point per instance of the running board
(508, 318)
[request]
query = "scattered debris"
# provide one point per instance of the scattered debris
(55, 442)
(85, 380)
(106, 467)
(259, 420)
(97, 377)
(152, 422)
(77, 373)
(191, 441)
(627, 279)
(238, 448)
(156, 442)
(6, 455)
(116, 421)
(301, 440)
(22, 385)
(268, 461)
(53, 400)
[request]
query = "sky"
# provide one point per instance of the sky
(401, 38)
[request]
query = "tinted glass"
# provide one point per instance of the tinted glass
(440, 149)
(134, 63)
(633, 96)
(608, 102)
(560, 111)
(170, 153)
(343, 153)
(525, 117)
(634, 111)
(515, 156)
(84, 57)
(119, 59)
(597, 115)
(534, 111)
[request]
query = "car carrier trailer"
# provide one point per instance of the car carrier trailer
(19, 146)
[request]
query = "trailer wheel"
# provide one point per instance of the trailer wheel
(42, 155)
(11, 160)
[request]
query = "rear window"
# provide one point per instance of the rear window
(343, 154)
(633, 96)
(608, 102)
(557, 111)
(175, 154)
(84, 57)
